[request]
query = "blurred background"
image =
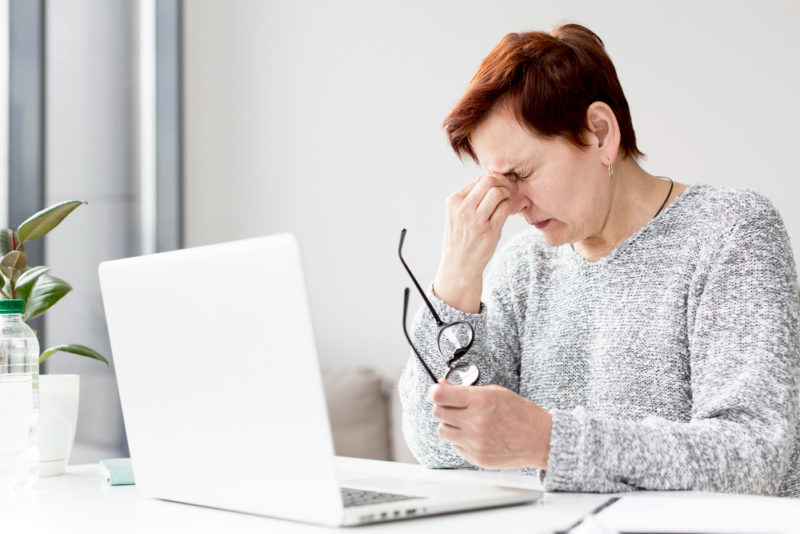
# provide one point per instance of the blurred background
(185, 123)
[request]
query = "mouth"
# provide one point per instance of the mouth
(542, 224)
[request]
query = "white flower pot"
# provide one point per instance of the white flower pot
(58, 419)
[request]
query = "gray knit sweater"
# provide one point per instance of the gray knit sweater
(671, 363)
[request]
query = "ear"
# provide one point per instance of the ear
(604, 130)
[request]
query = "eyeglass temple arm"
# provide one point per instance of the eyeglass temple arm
(413, 279)
(405, 331)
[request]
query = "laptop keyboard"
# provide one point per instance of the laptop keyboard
(357, 497)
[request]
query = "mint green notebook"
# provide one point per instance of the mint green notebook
(117, 471)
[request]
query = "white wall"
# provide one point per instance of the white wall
(323, 118)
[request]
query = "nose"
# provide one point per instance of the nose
(519, 202)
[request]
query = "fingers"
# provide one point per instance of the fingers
(459, 449)
(491, 202)
(457, 197)
(449, 416)
(458, 442)
(489, 199)
(448, 432)
(474, 217)
(448, 395)
(466, 188)
(484, 185)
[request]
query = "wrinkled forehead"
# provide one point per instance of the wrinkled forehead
(501, 141)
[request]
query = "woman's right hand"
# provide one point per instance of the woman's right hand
(474, 219)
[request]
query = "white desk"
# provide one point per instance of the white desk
(80, 502)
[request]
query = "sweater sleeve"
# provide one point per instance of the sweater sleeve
(743, 347)
(495, 351)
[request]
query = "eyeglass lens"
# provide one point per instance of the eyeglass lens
(454, 341)
(462, 374)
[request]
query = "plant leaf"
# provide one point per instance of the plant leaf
(5, 242)
(45, 292)
(12, 264)
(81, 350)
(19, 292)
(42, 222)
(29, 277)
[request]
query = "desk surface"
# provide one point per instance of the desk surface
(79, 501)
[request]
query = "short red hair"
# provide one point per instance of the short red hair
(549, 81)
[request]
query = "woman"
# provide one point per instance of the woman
(643, 335)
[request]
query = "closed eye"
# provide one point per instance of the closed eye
(517, 178)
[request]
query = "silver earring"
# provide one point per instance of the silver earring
(610, 170)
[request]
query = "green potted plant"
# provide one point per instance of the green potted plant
(58, 394)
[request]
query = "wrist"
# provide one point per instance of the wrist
(540, 428)
(543, 446)
(463, 295)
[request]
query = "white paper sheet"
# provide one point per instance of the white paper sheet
(677, 512)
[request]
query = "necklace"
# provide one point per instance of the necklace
(671, 183)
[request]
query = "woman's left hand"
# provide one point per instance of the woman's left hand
(491, 426)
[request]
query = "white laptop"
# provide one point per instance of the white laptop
(221, 392)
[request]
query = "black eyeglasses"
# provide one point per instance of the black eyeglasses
(454, 339)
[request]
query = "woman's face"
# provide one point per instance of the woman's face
(563, 191)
